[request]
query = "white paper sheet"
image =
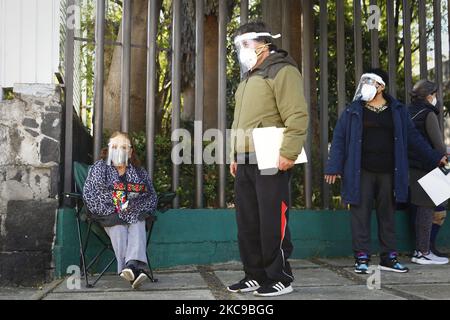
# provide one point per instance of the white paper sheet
(267, 143)
(437, 185)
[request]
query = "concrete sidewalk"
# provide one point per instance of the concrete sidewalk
(316, 279)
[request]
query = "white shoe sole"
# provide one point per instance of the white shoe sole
(274, 294)
(391, 269)
(361, 271)
(428, 262)
(140, 279)
(127, 274)
(244, 290)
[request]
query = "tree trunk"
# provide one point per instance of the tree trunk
(138, 75)
(272, 16)
(211, 52)
(295, 31)
(272, 11)
(188, 113)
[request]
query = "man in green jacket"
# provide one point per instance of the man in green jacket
(270, 95)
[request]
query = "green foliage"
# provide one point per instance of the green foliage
(113, 16)
(162, 177)
(163, 145)
(8, 93)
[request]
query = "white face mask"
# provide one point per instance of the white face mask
(118, 157)
(248, 58)
(434, 101)
(247, 47)
(368, 87)
(119, 150)
(368, 92)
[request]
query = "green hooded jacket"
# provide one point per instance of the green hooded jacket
(271, 96)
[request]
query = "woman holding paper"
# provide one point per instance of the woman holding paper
(424, 113)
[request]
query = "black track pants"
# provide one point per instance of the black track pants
(262, 207)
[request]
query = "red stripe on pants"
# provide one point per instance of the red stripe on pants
(284, 208)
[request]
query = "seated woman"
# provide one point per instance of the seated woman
(119, 194)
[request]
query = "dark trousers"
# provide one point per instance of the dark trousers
(378, 187)
(262, 207)
(422, 218)
(424, 222)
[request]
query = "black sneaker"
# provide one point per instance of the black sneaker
(274, 289)
(390, 263)
(362, 263)
(243, 286)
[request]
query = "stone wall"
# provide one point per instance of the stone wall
(30, 135)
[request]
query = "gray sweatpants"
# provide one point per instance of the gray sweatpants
(129, 243)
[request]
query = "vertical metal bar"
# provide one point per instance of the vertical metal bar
(126, 67)
(300, 13)
(244, 12)
(437, 16)
(340, 34)
(199, 94)
(244, 17)
(222, 100)
(324, 97)
(374, 43)
(176, 87)
(407, 49)
(392, 61)
(358, 39)
(264, 9)
(68, 89)
(308, 73)
(99, 76)
(448, 33)
(423, 39)
(285, 22)
(152, 29)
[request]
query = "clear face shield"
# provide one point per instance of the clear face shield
(368, 87)
(248, 48)
(119, 151)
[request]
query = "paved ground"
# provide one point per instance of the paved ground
(315, 279)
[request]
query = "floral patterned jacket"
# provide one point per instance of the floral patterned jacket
(104, 194)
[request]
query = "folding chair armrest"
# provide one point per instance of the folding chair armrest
(163, 209)
(151, 216)
(165, 200)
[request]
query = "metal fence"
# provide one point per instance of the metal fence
(308, 61)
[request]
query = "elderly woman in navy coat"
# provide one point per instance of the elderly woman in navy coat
(370, 153)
